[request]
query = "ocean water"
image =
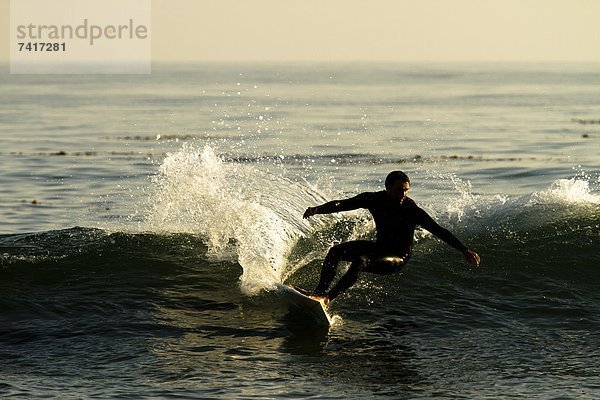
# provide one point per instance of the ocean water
(146, 219)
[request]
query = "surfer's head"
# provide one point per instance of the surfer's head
(397, 185)
(395, 176)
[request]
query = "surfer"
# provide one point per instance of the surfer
(396, 217)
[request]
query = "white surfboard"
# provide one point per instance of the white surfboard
(298, 302)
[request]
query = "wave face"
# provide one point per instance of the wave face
(252, 217)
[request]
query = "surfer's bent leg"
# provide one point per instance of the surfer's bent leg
(348, 251)
(349, 278)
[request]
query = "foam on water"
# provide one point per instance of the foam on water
(471, 214)
(575, 190)
(244, 214)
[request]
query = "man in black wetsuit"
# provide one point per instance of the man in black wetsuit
(396, 218)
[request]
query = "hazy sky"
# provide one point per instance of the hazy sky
(369, 30)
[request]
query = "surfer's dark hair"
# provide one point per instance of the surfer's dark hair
(395, 176)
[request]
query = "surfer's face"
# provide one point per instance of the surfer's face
(398, 191)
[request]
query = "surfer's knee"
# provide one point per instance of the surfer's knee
(387, 264)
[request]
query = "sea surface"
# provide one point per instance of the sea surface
(145, 220)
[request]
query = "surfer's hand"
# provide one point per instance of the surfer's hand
(310, 211)
(472, 257)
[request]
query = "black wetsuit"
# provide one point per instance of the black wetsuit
(395, 223)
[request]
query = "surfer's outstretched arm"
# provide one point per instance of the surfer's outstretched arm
(448, 237)
(335, 206)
